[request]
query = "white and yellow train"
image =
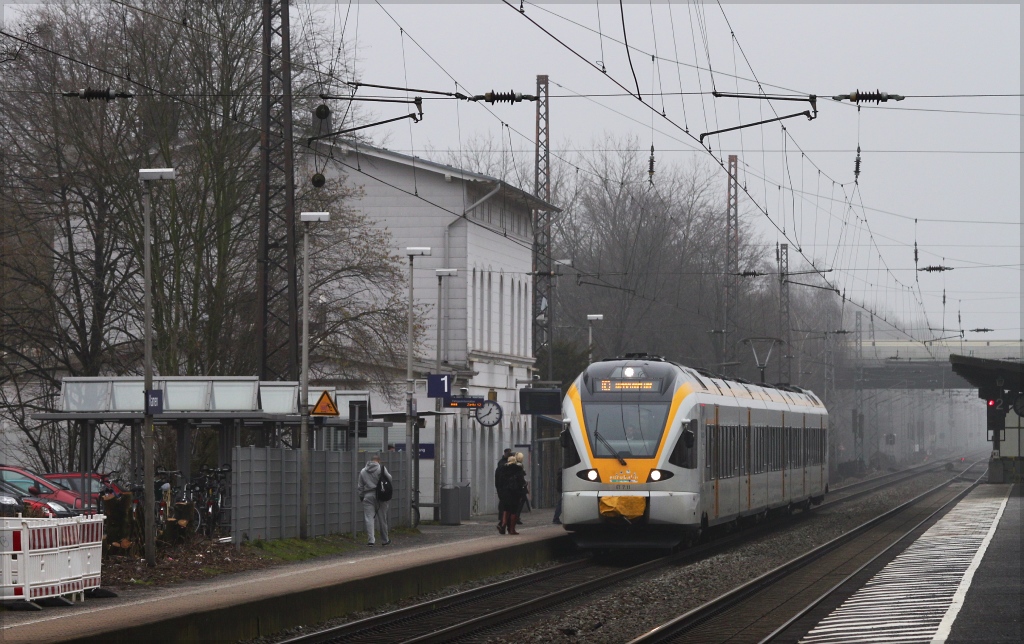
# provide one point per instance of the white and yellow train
(655, 452)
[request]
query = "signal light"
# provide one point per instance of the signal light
(991, 403)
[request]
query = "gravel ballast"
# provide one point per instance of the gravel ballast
(633, 608)
(636, 607)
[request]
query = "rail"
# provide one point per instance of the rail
(496, 604)
(729, 613)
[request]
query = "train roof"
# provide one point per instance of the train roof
(722, 385)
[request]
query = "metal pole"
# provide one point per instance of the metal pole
(408, 404)
(149, 493)
(304, 465)
(438, 442)
(590, 341)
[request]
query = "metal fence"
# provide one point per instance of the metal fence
(265, 492)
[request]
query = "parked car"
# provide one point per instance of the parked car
(95, 482)
(14, 502)
(31, 484)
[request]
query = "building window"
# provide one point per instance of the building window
(512, 326)
(490, 309)
(501, 313)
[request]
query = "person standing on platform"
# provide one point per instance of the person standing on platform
(524, 495)
(513, 488)
(557, 519)
(502, 462)
(374, 510)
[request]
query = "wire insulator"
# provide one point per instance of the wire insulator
(502, 97)
(856, 166)
(650, 167)
(868, 97)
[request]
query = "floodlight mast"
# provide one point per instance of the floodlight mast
(305, 476)
(148, 475)
(411, 252)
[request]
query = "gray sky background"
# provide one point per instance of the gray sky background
(933, 159)
(953, 163)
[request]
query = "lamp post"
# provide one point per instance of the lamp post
(441, 274)
(304, 465)
(590, 334)
(411, 251)
(147, 175)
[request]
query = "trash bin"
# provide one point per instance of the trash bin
(464, 500)
(449, 505)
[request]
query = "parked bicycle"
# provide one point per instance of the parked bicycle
(208, 495)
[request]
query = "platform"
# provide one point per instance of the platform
(959, 581)
(252, 604)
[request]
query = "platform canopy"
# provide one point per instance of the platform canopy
(202, 400)
(984, 373)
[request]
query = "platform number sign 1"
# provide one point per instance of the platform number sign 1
(439, 385)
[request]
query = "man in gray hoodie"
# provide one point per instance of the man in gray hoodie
(372, 508)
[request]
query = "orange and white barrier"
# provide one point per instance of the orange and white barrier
(49, 557)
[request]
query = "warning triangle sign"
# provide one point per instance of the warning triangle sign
(324, 406)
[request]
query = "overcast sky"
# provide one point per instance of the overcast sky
(952, 163)
(930, 158)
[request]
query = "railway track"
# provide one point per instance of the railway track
(476, 611)
(764, 607)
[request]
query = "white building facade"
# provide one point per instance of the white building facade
(482, 227)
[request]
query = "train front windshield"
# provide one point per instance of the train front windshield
(625, 429)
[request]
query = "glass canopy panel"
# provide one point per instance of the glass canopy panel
(279, 399)
(128, 396)
(234, 395)
(89, 395)
(343, 398)
(313, 395)
(186, 396)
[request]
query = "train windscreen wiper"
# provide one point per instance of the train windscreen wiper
(609, 446)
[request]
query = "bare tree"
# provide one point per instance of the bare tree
(72, 292)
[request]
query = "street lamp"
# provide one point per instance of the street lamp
(590, 334)
(441, 274)
(148, 175)
(411, 251)
(304, 465)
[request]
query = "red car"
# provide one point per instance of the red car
(35, 485)
(95, 482)
(13, 502)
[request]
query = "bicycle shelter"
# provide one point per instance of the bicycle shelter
(228, 404)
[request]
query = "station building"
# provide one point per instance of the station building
(482, 227)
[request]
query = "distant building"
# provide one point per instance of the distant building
(483, 227)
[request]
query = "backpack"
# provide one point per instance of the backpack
(384, 488)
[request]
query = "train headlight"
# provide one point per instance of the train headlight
(589, 475)
(592, 475)
(658, 475)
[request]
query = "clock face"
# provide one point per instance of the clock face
(489, 414)
(1018, 405)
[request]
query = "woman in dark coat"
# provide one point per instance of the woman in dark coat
(511, 479)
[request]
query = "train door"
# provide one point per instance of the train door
(822, 452)
(784, 448)
(803, 454)
(715, 438)
(746, 463)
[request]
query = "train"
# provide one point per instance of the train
(655, 453)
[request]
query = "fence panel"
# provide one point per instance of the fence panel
(265, 492)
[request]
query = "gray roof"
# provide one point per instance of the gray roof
(529, 200)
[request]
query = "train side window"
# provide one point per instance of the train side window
(570, 456)
(685, 452)
(709, 448)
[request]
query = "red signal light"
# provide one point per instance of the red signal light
(991, 403)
